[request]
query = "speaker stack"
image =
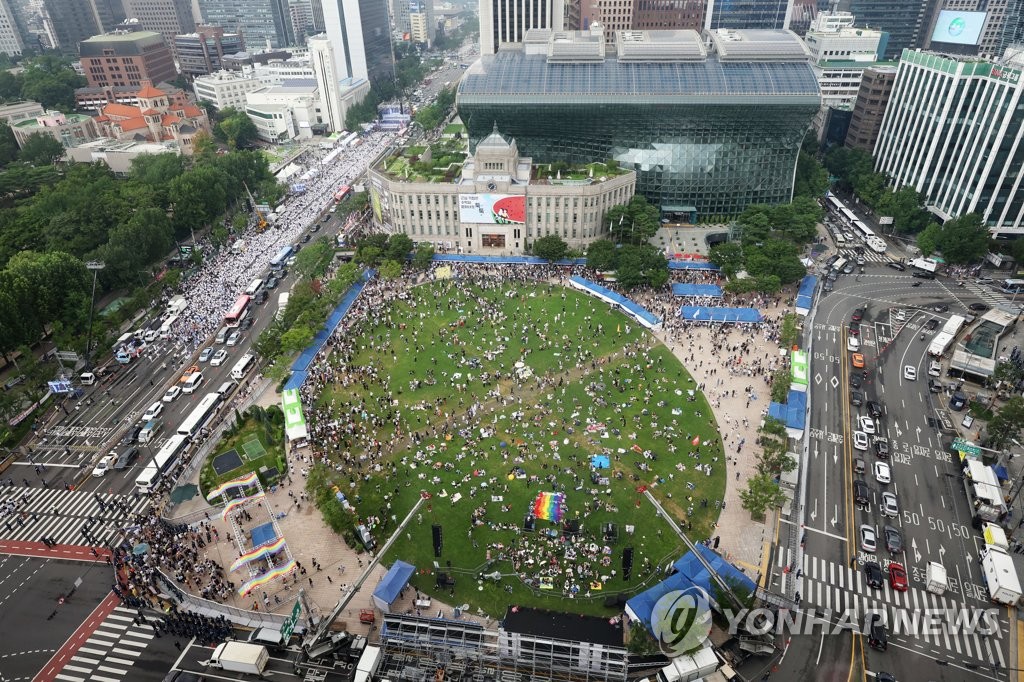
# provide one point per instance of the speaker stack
(436, 532)
(627, 563)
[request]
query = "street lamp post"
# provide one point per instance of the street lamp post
(95, 266)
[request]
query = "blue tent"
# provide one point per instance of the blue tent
(503, 260)
(777, 411)
(690, 573)
(805, 296)
(703, 313)
(679, 289)
(691, 265)
(796, 410)
(638, 312)
(392, 584)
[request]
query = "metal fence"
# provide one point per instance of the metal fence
(205, 607)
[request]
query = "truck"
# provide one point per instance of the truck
(926, 264)
(1000, 576)
(368, 664)
(935, 578)
(695, 666)
(994, 536)
(282, 303)
(238, 657)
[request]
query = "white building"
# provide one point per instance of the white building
(839, 55)
(507, 21)
(952, 131)
(11, 42)
(226, 88)
(321, 56)
(285, 112)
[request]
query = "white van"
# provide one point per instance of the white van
(934, 369)
(225, 388)
(192, 383)
(87, 379)
(150, 430)
(222, 335)
(852, 344)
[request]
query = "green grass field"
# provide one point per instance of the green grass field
(438, 358)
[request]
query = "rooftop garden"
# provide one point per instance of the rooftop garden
(560, 170)
(440, 162)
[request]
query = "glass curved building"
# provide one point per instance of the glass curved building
(711, 124)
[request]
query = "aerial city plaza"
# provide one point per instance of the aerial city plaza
(618, 342)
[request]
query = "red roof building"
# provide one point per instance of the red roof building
(159, 117)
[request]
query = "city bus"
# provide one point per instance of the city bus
(848, 215)
(344, 192)
(863, 230)
(238, 311)
(162, 462)
(199, 416)
(277, 262)
(1012, 286)
(254, 288)
(835, 203)
(243, 366)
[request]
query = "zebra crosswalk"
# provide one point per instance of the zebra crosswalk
(63, 514)
(869, 256)
(110, 652)
(985, 293)
(840, 588)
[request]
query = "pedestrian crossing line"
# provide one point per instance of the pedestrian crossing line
(108, 669)
(77, 669)
(69, 678)
(119, 661)
(90, 651)
(115, 616)
(101, 678)
(83, 659)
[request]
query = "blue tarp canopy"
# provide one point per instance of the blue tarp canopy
(503, 260)
(1001, 473)
(690, 573)
(301, 365)
(796, 409)
(599, 462)
(261, 535)
(691, 265)
(703, 313)
(805, 296)
(679, 289)
(777, 411)
(639, 313)
(392, 584)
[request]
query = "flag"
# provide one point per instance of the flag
(695, 441)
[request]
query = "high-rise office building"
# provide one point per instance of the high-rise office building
(261, 22)
(69, 22)
(12, 40)
(126, 58)
(169, 18)
(908, 22)
(710, 127)
(321, 56)
(668, 14)
(507, 21)
(748, 14)
(203, 52)
(301, 13)
(953, 131)
(613, 15)
(361, 34)
(869, 109)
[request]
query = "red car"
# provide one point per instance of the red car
(898, 577)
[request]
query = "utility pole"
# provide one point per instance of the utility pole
(95, 266)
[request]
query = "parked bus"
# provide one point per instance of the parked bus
(254, 288)
(863, 230)
(162, 462)
(238, 311)
(344, 192)
(243, 366)
(848, 215)
(877, 244)
(199, 416)
(944, 339)
(277, 262)
(1012, 286)
(835, 203)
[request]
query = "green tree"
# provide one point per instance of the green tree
(906, 208)
(641, 266)
(928, 239)
(788, 335)
(550, 247)
(296, 339)
(50, 80)
(761, 494)
(811, 178)
(8, 144)
(964, 239)
(235, 128)
(428, 117)
(602, 255)
(728, 256)
(390, 269)
(1008, 372)
(198, 198)
(775, 257)
(424, 256)
(780, 384)
(1007, 424)
(633, 223)
(41, 150)
(399, 247)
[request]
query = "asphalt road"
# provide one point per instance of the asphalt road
(934, 519)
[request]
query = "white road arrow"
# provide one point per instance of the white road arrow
(942, 552)
(814, 512)
(917, 554)
(918, 434)
(835, 516)
(815, 451)
(835, 456)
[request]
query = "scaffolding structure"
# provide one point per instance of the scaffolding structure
(419, 649)
(253, 496)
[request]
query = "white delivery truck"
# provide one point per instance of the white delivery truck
(994, 536)
(935, 578)
(999, 575)
(695, 666)
(368, 664)
(238, 657)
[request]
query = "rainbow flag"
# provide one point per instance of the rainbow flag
(240, 482)
(549, 506)
(259, 581)
(235, 504)
(258, 553)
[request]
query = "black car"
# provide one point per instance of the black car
(271, 283)
(326, 218)
(245, 325)
(132, 436)
(978, 307)
(126, 458)
(315, 227)
(931, 324)
(306, 237)
(296, 248)
(878, 637)
(858, 314)
(260, 298)
(858, 249)
(923, 274)
(893, 539)
(874, 409)
(882, 449)
(895, 265)
(873, 574)
(856, 398)
(282, 273)
(855, 380)
(861, 493)
(828, 286)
